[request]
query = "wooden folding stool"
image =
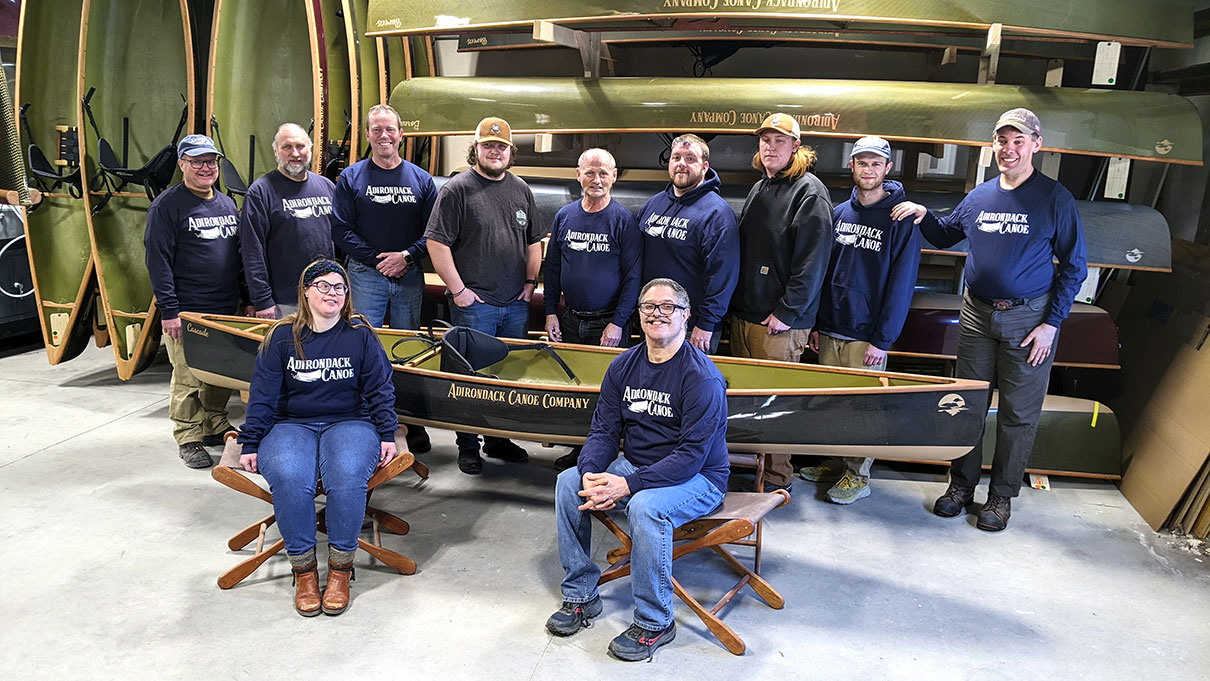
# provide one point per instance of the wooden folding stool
(739, 521)
(226, 473)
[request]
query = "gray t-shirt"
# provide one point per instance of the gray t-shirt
(487, 224)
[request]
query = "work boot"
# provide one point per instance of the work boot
(470, 462)
(418, 440)
(572, 617)
(848, 489)
(340, 573)
(505, 450)
(830, 470)
(195, 455)
(994, 515)
(955, 499)
(306, 583)
(637, 643)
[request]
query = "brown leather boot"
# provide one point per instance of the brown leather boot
(340, 573)
(306, 584)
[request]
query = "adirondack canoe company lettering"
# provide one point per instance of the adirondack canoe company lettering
(590, 242)
(391, 194)
(645, 400)
(731, 117)
(1004, 223)
(859, 236)
(308, 207)
(218, 227)
(324, 369)
(826, 5)
(515, 397)
(667, 226)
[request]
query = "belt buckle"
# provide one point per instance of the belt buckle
(1002, 305)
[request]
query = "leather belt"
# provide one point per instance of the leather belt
(1002, 304)
(590, 316)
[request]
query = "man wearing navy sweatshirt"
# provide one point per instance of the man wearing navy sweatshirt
(664, 402)
(690, 236)
(1017, 225)
(284, 225)
(866, 294)
(382, 204)
(192, 254)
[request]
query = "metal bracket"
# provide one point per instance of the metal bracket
(592, 51)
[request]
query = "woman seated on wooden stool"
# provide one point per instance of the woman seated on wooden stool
(321, 405)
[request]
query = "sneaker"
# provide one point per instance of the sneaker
(195, 455)
(418, 440)
(470, 462)
(568, 460)
(994, 515)
(573, 617)
(830, 470)
(848, 489)
(637, 643)
(955, 499)
(505, 450)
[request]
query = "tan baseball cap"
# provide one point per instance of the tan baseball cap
(783, 123)
(492, 129)
(1021, 119)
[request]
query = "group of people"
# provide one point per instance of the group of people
(792, 273)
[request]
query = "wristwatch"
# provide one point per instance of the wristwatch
(534, 282)
(407, 257)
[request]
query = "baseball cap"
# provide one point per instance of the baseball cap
(872, 145)
(1021, 119)
(783, 123)
(196, 145)
(492, 129)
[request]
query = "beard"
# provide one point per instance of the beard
(296, 168)
(691, 180)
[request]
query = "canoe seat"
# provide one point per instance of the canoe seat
(468, 352)
(738, 521)
(230, 473)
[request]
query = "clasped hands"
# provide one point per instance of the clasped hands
(602, 491)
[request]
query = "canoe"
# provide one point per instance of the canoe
(1075, 437)
(1150, 126)
(365, 87)
(266, 69)
(1161, 22)
(771, 406)
(420, 61)
(139, 59)
(56, 231)
(334, 50)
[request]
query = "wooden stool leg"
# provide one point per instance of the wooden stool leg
(762, 588)
(401, 564)
(725, 634)
(246, 535)
(237, 574)
(389, 521)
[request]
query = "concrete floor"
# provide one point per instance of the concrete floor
(112, 547)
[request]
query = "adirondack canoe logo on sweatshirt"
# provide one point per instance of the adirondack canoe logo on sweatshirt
(859, 236)
(308, 207)
(218, 227)
(1004, 223)
(589, 242)
(667, 227)
(324, 369)
(647, 401)
(391, 194)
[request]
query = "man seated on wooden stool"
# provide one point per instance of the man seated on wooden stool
(668, 401)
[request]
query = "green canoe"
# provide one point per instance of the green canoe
(335, 62)
(1149, 126)
(139, 59)
(366, 87)
(60, 254)
(1158, 22)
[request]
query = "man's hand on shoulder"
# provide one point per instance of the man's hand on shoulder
(602, 491)
(172, 327)
(1043, 338)
(907, 209)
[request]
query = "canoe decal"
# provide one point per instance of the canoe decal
(952, 404)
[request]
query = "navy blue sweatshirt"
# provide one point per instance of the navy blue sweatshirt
(345, 377)
(192, 252)
(1015, 236)
(692, 239)
(282, 229)
(872, 271)
(673, 416)
(382, 211)
(593, 260)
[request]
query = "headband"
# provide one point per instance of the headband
(321, 267)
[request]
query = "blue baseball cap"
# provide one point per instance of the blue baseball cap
(196, 145)
(872, 145)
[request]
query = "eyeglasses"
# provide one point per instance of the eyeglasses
(198, 165)
(325, 287)
(665, 309)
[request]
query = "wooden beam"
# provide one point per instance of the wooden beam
(588, 43)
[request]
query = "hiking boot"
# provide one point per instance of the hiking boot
(195, 455)
(830, 470)
(568, 460)
(418, 440)
(470, 462)
(994, 515)
(955, 499)
(505, 450)
(848, 489)
(573, 617)
(637, 643)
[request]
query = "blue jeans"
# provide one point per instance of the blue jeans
(652, 514)
(509, 321)
(294, 456)
(374, 294)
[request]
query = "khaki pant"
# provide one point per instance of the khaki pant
(753, 341)
(196, 409)
(837, 352)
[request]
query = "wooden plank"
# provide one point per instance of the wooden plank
(1166, 23)
(1148, 126)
